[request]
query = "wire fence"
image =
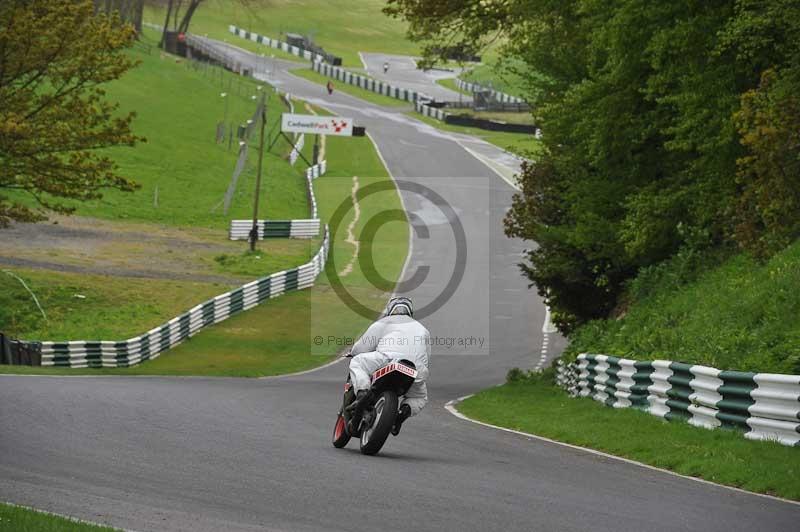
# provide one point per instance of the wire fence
(241, 161)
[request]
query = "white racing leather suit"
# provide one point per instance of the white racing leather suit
(391, 338)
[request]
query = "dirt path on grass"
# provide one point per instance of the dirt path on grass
(351, 237)
(115, 272)
(119, 249)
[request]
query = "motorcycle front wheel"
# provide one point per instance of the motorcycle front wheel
(340, 435)
(382, 416)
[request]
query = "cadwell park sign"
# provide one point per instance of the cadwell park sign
(324, 125)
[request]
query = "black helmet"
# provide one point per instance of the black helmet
(400, 305)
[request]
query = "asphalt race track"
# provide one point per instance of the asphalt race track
(236, 454)
(403, 72)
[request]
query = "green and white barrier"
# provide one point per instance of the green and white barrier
(366, 83)
(432, 112)
(305, 228)
(111, 354)
(240, 229)
(274, 43)
(765, 405)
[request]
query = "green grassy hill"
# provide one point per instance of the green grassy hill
(489, 74)
(342, 27)
(735, 314)
(179, 106)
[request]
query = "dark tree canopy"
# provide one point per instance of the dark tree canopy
(129, 11)
(666, 125)
(55, 56)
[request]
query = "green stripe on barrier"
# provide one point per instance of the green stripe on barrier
(264, 287)
(164, 339)
(612, 381)
(237, 300)
(291, 280)
(208, 312)
(736, 398)
(642, 380)
(277, 229)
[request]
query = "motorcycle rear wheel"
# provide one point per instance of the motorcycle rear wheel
(385, 411)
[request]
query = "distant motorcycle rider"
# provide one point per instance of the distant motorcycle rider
(395, 336)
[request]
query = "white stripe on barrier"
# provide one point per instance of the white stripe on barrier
(704, 399)
(657, 391)
(240, 229)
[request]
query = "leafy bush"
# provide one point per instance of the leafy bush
(662, 121)
(735, 313)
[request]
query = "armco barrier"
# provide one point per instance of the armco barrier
(240, 229)
(274, 43)
(433, 112)
(149, 345)
(497, 95)
(17, 353)
(490, 125)
(458, 120)
(369, 84)
(765, 405)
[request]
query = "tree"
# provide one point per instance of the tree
(172, 14)
(666, 125)
(55, 56)
(173, 11)
(130, 11)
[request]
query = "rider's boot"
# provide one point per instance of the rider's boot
(402, 415)
(357, 408)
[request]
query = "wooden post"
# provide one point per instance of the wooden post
(254, 229)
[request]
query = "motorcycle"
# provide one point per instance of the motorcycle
(388, 384)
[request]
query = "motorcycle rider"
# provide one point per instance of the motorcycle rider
(395, 336)
(385, 67)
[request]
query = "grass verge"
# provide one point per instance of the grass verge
(450, 83)
(280, 336)
(352, 90)
(490, 73)
(92, 307)
(537, 406)
(19, 519)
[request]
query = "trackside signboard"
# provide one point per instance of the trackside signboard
(325, 125)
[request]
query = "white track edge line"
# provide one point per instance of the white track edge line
(450, 406)
(483, 161)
